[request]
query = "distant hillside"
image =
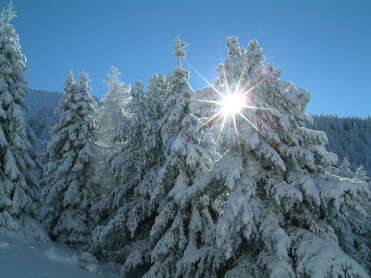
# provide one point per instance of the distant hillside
(37, 99)
(347, 137)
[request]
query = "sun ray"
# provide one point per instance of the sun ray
(231, 104)
(226, 82)
(269, 142)
(236, 131)
(208, 101)
(253, 87)
(251, 124)
(204, 79)
(239, 79)
(212, 117)
(260, 133)
(258, 108)
(222, 127)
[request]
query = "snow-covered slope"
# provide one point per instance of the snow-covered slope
(26, 258)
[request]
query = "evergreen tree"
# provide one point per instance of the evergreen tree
(114, 105)
(179, 50)
(122, 211)
(344, 170)
(157, 89)
(112, 114)
(18, 160)
(361, 174)
(278, 200)
(68, 176)
(188, 154)
(142, 210)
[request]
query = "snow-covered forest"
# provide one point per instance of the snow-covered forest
(162, 180)
(347, 137)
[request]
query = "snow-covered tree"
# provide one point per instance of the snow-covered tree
(179, 50)
(68, 176)
(18, 160)
(130, 162)
(277, 198)
(118, 236)
(157, 89)
(189, 152)
(344, 170)
(114, 105)
(361, 174)
(112, 114)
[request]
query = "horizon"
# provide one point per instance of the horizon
(320, 46)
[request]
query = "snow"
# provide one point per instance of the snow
(24, 258)
(269, 204)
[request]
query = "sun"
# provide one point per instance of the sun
(234, 99)
(232, 104)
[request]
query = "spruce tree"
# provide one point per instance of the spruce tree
(157, 88)
(114, 105)
(361, 174)
(344, 170)
(124, 209)
(141, 210)
(68, 186)
(188, 154)
(18, 160)
(112, 114)
(272, 181)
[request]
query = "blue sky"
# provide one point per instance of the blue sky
(323, 46)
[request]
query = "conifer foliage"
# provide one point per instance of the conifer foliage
(114, 105)
(68, 186)
(18, 189)
(122, 210)
(188, 154)
(191, 189)
(277, 198)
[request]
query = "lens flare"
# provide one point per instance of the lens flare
(233, 104)
(232, 101)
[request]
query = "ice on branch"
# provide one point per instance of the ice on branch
(179, 49)
(7, 15)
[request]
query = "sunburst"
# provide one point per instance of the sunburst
(232, 103)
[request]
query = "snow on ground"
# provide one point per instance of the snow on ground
(25, 258)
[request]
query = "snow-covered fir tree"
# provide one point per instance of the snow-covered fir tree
(112, 114)
(124, 209)
(157, 89)
(278, 200)
(18, 160)
(361, 174)
(113, 107)
(68, 185)
(179, 50)
(188, 154)
(344, 170)
(141, 210)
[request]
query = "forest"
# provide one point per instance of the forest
(167, 181)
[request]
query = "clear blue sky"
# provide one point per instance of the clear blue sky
(323, 46)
